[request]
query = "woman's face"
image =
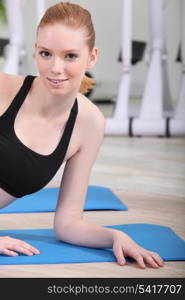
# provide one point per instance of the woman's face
(62, 58)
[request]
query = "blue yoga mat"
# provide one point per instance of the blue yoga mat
(160, 239)
(97, 198)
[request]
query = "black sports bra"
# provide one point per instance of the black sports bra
(23, 171)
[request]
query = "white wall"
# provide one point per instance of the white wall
(106, 16)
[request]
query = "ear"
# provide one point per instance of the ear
(92, 58)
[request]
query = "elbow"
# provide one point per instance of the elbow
(59, 230)
(58, 233)
(64, 227)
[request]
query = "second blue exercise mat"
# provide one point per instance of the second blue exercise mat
(160, 239)
(97, 198)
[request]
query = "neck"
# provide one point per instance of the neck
(47, 105)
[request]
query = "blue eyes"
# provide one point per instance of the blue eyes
(69, 56)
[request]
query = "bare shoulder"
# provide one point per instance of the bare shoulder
(9, 86)
(9, 82)
(90, 114)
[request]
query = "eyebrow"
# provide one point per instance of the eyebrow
(70, 50)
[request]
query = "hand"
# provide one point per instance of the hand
(12, 247)
(124, 246)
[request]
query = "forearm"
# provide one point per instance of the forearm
(83, 233)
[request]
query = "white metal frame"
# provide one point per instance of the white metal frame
(156, 115)
(156, 103)
(119, 123)
(15, 53)
(15, 50)
(177, 124)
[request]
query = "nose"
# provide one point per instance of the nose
(57, 66)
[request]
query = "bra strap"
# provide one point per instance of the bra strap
(19, 98)
(64, 142)
(22, 93)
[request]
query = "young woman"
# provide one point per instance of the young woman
(46, 120)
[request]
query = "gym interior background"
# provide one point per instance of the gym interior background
(147, 173)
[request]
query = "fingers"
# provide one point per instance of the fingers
(154, 260)
(149, 259)
(141, 256)
(9, 252)
(118, 252)
(139, 259)
(12, 247)
(157, 259)
(26, 249)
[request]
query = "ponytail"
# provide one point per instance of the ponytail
(87, 84)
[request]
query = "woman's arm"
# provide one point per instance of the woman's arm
(77, 171)
(69, 224)
(9, 86)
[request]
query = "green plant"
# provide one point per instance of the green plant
(2, 11)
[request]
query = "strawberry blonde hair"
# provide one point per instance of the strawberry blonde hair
(74, 16)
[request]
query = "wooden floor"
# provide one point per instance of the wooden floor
(148, 174)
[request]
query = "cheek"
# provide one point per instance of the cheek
(77, 69)
(41, 64)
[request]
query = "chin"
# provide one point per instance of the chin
(58, 92)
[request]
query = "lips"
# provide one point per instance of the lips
(56, 80)
(56, 83)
